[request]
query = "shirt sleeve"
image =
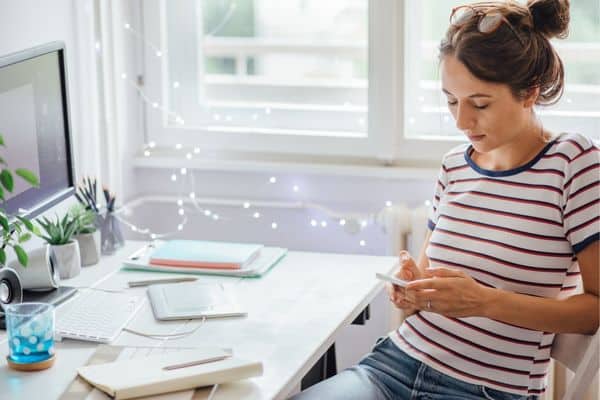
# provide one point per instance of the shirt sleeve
(440, 187)
(581, 197)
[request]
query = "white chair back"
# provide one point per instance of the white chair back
(579, 353)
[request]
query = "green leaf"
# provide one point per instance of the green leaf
(2, 257)
(1, 193)
(27, 223)
(1, 140)
(24, 237)
(29, 176)
(4, 223)
(7, 180)
(21, 255)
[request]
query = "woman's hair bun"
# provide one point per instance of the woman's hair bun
(550, 17)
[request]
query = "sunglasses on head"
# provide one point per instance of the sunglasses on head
(489, 19)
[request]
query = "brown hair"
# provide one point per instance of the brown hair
(501, 57)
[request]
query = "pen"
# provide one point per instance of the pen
(148, 282)
(197, 362)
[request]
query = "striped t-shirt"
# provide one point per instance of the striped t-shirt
(517, 230)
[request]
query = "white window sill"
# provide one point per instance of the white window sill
(276, 163)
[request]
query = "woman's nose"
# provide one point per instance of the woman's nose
(465, 119)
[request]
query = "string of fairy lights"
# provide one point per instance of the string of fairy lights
(352, 223)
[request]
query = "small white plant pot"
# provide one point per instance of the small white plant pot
(89, 247)
(68, 259)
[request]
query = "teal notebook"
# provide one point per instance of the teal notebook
(268, 258)
(205, 254)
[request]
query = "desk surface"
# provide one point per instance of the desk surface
(294, 314)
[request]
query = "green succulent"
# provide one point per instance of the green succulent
(86, 219)
(14, 231)
(58, 231)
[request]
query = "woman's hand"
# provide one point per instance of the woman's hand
(449, 292)
(408, 271)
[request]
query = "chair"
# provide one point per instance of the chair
(579, 353)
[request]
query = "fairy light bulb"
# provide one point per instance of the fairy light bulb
(147, 153)
(181, 211)
(178, 146)
(362, 243)
(173, 177)
(313, 222)
(192, 195)
(207, 212)
(196, 150)
(295, 188)
(246, 205)
(274, 225)
(158, 53)
(188, 156)
(152, 144)
(388, 203)
(179, 202)
(324, 224)
(215, 217)
(155, 105)
(179, 227)
(183, 171)
(272, 179)
(363, 223)
(342, 222)
(175, 85)
(256, 215)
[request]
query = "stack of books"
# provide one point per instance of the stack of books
(207, 257)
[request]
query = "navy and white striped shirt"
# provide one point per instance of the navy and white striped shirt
(517, 230)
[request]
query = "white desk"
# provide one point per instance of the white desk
(294, 314)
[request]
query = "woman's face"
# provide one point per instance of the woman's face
(487, 113)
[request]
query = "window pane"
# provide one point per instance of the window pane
(426, 111)
(275, 66)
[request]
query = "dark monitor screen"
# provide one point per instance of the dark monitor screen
(34, 121)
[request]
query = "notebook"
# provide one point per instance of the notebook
(268, 258)
(205, 254)
(193, 300)
(129, 374)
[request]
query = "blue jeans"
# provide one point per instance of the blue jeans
(388, 373)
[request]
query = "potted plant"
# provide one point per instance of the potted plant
(59, 235)
(13, 231)
(86, 234)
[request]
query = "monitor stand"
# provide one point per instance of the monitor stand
(55, 297)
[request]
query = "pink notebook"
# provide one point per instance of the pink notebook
(205, 254)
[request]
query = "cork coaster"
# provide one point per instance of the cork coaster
(38, 366)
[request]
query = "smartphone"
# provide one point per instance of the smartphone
(391, 279)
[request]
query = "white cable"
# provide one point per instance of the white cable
(166, 336)
(213, 391)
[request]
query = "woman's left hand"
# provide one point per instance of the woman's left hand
(449, 292)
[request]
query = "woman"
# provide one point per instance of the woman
(514, 228)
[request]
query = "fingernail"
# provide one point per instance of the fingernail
(404, 256)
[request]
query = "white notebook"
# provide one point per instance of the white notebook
(193, 300)
(129, 378)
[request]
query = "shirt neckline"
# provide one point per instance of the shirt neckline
(508, 172)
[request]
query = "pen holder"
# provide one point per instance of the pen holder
(111, 236)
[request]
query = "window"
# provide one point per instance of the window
(293, 76)
(353, 78)
(426, 111)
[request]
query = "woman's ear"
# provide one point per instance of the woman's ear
(531, 97)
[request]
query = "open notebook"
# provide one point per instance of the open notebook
(126, 373)
(268, 257)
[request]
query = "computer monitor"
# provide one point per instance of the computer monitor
(34, 121)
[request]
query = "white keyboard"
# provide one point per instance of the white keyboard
(97, 316)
